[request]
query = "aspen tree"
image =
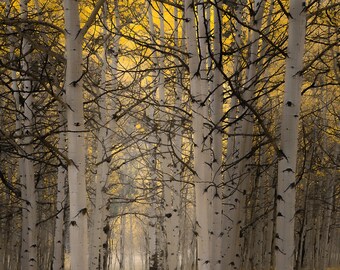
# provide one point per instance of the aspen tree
(180, 198)
(169, 191)
(203, 24)
(23, 257)
(244, 169)
(286, 189)
(217, 147)
(76, 142)
(326, 232)
(58, 249)
(23, 253)
(170, 245)
(152, 229)
(174, 226)
(100, 178)
(264, 229)
(231, 207)
(107, 126)
(27, 95)
(245, 172)
(131, 244)
(155, 245)
(201, 167)
(108, 141)
(75, 127)
(122, 237)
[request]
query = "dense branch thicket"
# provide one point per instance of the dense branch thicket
(182, 104)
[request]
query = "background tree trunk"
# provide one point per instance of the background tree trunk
(28, 166)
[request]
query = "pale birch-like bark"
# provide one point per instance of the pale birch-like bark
(75, 123)
(244, 140)
(154, 233)
(106, 126)
(217, 147)
(58, 250)
(152, 187)
(170, 186)
(122, 243)
(131, 245)
(268, 226)
(177, 149)
(108, 141)
(200, 166)
(203, 24)
(76, 141)
(325, 230)
(28, 167)
(259, 250)
(328, 197)
(286, 193)
(23, 257)
(171, 234)
(29, 176)
(96, 233)
(334, 256)
(326, 237)
(24, 219)
(231, 207)
(6, 251)
(268, 231)
(306, 260)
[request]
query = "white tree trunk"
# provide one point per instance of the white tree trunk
(58, 250)
(170, 221)
(244, 140)
(269, 230)
(131, 245)
(177, 153)
(110, 125)
(122, 243)
(201, 167)
(152, 187)
(23, 258)
(96, 234)
(156, 246)
(24, 218)
(326, 239)
(181, 189)
(27, 95)
(231, 207)
(29, 176)
(285, 248)
(107, 125)
(76, 141)
(217, 147)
